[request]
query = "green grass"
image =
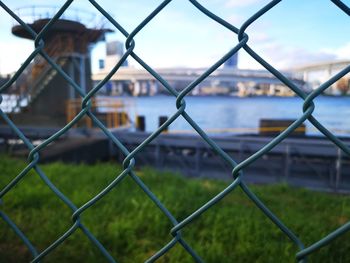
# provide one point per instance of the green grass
(131, 227)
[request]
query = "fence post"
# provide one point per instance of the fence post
(287, 163)
(162, 120)
(198, 159)
(338, 168)
(140, 123)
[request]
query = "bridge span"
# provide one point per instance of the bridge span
(317, 73)
(225, 80)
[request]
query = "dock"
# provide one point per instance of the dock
(310, 162)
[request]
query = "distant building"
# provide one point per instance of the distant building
(114, 48)
(232, 62)
(114, 52)
(101, 64)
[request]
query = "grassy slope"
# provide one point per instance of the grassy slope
(132, 228)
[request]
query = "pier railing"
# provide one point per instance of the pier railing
(129, 164)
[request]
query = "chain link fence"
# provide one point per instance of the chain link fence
(180, 101)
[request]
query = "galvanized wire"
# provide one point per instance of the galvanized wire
(180, 103)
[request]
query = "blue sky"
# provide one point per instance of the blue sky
(295, 32)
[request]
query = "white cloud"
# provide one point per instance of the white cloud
(284, 57)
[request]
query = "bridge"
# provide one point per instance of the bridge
(229, 80)
(317, 73)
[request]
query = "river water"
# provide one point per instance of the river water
(219, 114)
(242, 115)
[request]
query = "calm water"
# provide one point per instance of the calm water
(233, 112)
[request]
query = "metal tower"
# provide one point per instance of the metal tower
(42, 92)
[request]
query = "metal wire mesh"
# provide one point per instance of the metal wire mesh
(129, 161)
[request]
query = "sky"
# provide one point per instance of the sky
(293, 33)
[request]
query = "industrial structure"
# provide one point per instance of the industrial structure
(42, 96)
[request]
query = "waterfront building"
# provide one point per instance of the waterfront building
(232, 62)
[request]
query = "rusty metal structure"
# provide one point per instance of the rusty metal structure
(41, 93)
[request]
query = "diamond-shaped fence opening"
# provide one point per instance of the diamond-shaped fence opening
(197, 33)
(176, 239)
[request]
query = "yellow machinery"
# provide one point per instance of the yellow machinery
(114, 113)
